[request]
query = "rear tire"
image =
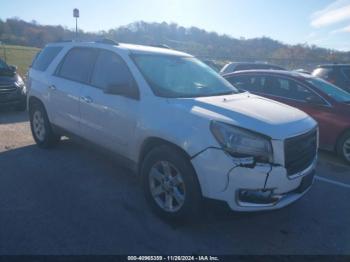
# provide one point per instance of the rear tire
(170, 184)
(41, 127)
(343, 147)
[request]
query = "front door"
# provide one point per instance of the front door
(109, 119)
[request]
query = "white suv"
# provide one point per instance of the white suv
(187, 131)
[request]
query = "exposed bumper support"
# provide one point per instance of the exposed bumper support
(253, 188)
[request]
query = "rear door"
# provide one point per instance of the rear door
(71, 76)
(39, 79)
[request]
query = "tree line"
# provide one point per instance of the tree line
(201, 43)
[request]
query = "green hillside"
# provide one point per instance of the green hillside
(20, 56)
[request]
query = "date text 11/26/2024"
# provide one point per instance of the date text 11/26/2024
(173, 258)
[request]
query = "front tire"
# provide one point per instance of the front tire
(41, 127)
(343, 147)
(170, 184)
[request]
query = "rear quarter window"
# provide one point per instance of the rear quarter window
(346, 72)
(43, 59)
(322, 72)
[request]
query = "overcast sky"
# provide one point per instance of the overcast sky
(322, 22)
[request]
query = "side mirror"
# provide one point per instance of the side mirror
(122, 89)
(13, 68)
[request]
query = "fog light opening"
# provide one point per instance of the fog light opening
(263, 196)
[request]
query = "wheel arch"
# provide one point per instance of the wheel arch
(340, 137)
(34, 100)
(153, 142)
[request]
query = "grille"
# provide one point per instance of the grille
(300, 151)
(6, 89)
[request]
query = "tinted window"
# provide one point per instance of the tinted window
(45, 57)
(346, 72)
(288, 89)
(78, 64)
(109, 70)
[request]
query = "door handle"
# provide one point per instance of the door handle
(52, 87)
(87, 99)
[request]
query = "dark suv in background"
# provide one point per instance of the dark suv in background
(337, 74)
(12, 88)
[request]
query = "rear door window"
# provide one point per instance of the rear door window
(43, 59)
(290, 89)
(78, 65)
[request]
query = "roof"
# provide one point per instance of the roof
(333, 65)
(250, 63)
(272, 72)
(130, 48)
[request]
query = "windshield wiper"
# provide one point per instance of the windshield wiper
(225, 93)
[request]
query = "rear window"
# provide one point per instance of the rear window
(45, 57)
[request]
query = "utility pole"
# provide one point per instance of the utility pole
(76, 16)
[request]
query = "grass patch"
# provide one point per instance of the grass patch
(21, 56)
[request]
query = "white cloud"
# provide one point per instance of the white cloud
(345, 29)
(311, 35)
(336, 12)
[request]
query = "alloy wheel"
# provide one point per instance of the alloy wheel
(346, 149)
(167, 186)
(39, 125)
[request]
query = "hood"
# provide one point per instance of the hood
(255, 113)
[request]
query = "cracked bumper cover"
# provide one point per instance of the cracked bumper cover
(221, 178)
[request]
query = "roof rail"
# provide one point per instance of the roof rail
(64, 41)
(161, 46)
(106, 41)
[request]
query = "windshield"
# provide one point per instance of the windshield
(330, 89)
(3, 65)
(175, 76)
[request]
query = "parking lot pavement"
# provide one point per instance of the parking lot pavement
(75, 200)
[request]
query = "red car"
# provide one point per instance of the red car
(326, 103)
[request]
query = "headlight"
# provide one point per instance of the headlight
(19, 81)
(242, 143)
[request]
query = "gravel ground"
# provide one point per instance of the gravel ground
(75, 200)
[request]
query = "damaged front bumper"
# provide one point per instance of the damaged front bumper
(261, 186)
